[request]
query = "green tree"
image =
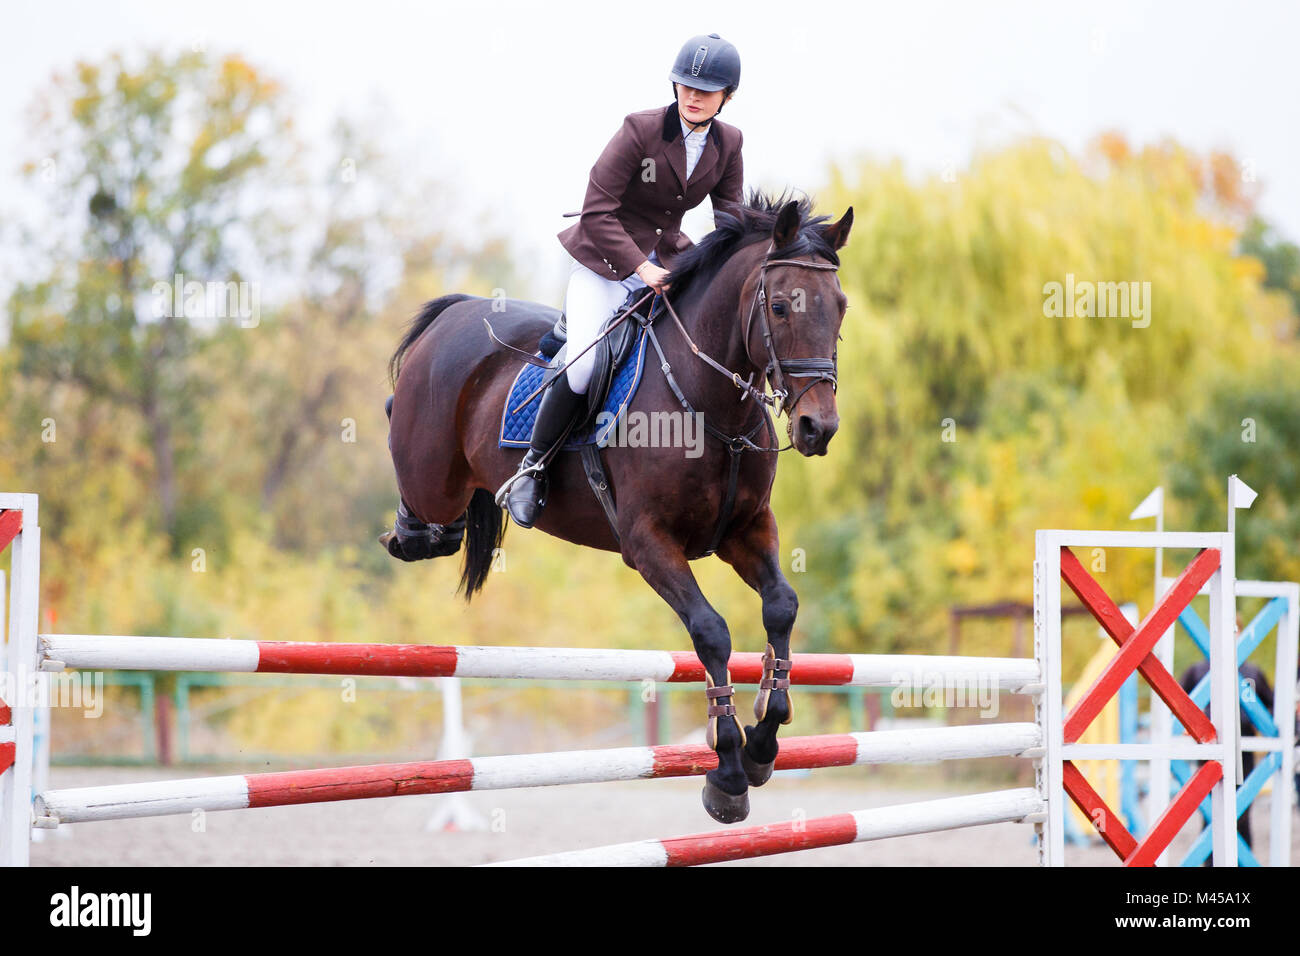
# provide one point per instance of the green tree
(1281, 259)
(971, 416)
(156, 171)
(1249, 427)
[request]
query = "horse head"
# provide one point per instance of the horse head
(793, 323)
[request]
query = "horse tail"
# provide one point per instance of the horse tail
(422, 321)
(484, 531)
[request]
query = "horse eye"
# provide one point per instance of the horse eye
(778, 309)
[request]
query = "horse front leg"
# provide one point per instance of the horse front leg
(661, 560)
(755, 555)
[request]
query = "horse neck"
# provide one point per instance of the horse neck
(715, 319)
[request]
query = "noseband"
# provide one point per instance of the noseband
(777, 369)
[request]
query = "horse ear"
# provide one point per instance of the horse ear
(838, 233)
(786, 229)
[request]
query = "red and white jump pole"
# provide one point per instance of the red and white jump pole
(99, 652)
(241, 792)
(881, 823)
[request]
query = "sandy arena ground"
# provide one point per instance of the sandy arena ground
(391, 832)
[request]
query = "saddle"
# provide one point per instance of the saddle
(619, 358)
(609, 353)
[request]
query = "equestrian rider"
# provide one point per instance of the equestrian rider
(662, 162)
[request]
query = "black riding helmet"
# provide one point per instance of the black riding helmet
(707, 63)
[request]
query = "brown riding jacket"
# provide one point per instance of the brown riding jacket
(638, 192)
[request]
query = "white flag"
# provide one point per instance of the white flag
(1241, 495)
(1151, 505)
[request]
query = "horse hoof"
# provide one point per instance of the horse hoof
(757, 773)
(393, 545)
(725, 807)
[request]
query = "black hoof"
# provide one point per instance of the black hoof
(757, 773)
(725, 807)
(393, 544)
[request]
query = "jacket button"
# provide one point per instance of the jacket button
(668, 212)
(679, 197)
(659, 232)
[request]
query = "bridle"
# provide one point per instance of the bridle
(776, 369)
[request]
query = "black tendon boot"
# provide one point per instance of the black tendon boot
(413, 540)
(525, 493)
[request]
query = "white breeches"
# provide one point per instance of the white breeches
(589, 301)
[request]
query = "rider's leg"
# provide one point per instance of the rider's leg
(559, 407)
(588, 302)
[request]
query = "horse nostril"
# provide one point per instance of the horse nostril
(809, 432)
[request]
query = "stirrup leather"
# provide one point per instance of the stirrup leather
(772, 667)
(714, 693)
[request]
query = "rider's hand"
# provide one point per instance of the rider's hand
(652, 275)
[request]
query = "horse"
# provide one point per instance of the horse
(759, 297)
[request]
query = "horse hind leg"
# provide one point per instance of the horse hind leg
(413, 540)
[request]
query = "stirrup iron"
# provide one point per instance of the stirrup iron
(537, 470)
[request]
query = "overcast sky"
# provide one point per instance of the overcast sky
(513, 101)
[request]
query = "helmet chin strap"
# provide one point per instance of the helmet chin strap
(695, 126)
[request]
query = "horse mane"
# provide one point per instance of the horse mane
(753, 221)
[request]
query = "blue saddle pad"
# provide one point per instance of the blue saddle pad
(517, 429)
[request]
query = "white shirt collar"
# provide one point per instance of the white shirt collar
(698, 134)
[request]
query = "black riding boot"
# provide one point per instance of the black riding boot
(527, 490)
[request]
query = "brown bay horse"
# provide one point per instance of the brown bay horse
(760, 297)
